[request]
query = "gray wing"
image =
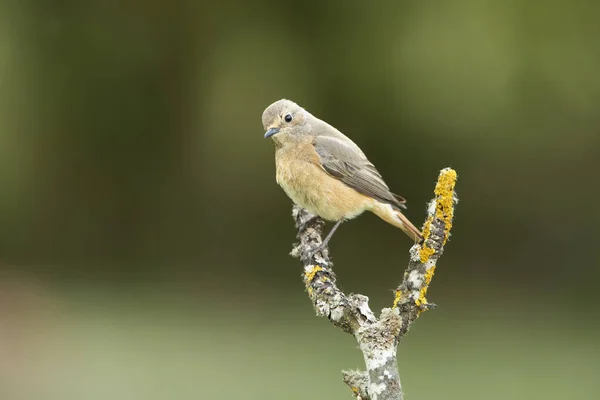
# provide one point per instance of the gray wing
(345, 161)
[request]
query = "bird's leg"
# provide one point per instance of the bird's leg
(328, 237)
(331, 232)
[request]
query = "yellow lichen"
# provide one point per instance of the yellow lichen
(429, 275)
(310, 275)
(355, 391)
(427, 228)
(422, 300)
(425, 253)
(444, 192)
(397, 297)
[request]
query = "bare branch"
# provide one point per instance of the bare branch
(377, 338)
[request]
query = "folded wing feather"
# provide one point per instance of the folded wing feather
(345, 161)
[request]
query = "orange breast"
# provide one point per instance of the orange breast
(308, 185)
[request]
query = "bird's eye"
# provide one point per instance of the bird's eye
(288, 118)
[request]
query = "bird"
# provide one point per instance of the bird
(326, 173)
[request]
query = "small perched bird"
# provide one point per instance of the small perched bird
(326, 173)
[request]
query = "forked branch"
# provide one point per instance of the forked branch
(377, 337)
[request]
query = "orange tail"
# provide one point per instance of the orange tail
(396, 218)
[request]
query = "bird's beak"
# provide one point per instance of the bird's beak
(271, 132)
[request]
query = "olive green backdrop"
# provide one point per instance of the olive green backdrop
(144, 242)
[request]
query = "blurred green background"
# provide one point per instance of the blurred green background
(144, 242)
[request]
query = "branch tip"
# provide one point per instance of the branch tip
(410, 297)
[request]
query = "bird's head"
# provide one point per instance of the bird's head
(285, 121)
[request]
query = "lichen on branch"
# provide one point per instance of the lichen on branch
(410, 296)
